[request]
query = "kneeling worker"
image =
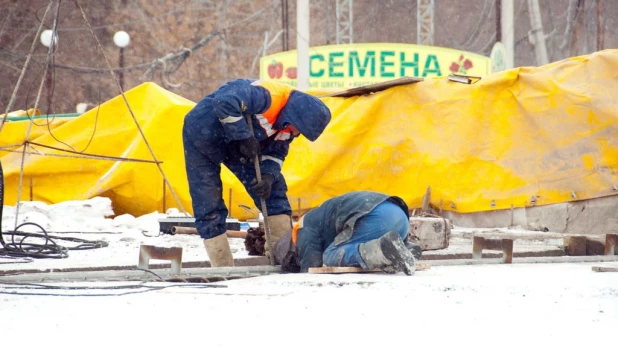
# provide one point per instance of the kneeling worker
(364, 229)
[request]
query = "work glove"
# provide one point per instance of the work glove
(291, 263)
(263, 188)
(249, 147)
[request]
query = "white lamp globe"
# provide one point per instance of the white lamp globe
(46, 38)
(81, 107)
(121, 39)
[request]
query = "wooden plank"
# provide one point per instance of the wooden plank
(605, 268)
(372, 88)
(353, 269)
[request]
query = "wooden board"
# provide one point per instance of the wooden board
(352, 269)
(372, 88)
(605, 268)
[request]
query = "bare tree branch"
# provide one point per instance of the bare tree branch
(571, 19)
(170, 62)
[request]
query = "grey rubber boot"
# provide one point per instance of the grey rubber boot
(280, 225)
(415, 249)
(389, 254)
(219, 252)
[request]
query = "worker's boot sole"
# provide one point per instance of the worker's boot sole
(397, 253)
(415, 249)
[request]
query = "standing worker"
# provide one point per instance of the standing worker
(215, 131)
(361, 229)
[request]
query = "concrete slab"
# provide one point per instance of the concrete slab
(594, 216)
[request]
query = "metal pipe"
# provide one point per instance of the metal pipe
(193, 231)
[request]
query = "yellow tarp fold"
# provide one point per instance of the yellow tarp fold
(526, 136)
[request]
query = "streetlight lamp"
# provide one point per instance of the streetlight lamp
(49, 38)
(121, 40)
(46, 38)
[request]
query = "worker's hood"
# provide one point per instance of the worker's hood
(306, 112)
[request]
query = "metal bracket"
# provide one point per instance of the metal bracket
(611, 241)
(505, 245)
(174, 254)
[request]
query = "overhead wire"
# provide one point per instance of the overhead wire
(51, 50)
(51, 87)
(474, 35)
(18, 246)
(36, 102)
(96, 119)
(23, 71)
(123, 24)
(182, 54)
(139, 128)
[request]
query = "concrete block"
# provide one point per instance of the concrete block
(430, 233)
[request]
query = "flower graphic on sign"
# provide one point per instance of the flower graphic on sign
(462, 65)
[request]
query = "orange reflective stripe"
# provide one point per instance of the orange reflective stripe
(279, 95)
(297, 226)
(284, 135)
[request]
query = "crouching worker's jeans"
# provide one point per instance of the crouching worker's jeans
(384, 218)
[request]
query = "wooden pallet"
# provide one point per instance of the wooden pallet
(353, 269)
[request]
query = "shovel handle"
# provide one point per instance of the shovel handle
(258, 176)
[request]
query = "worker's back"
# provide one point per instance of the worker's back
(336, 217)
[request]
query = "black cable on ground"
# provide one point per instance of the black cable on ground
(36, 289)
(18, 247)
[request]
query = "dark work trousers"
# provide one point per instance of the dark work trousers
(206, 148)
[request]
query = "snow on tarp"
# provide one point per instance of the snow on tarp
(521, 137)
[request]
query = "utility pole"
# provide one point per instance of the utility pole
(345, 33)
(424, 22)
(302, 44)
(600, 26)
(285, 39)
(536, 34)
(507, 32)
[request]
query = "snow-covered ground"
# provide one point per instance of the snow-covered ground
(92, 220)
(487, 305)
(482, 305)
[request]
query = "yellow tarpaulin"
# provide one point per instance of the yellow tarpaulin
(522, 137)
